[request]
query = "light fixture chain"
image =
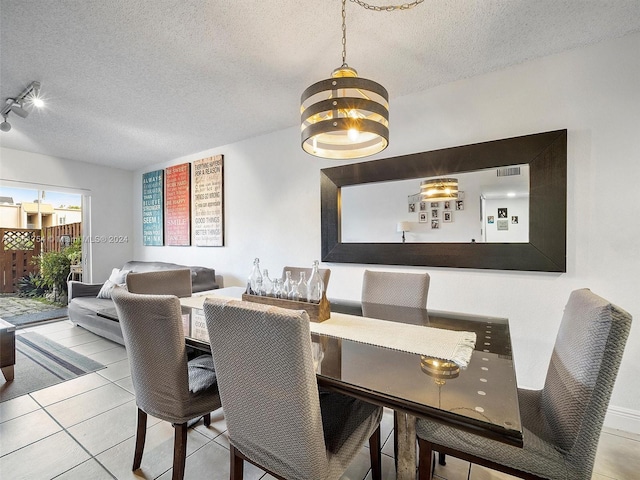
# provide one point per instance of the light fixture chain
(384, 8)
(344, 33)
(387, 8)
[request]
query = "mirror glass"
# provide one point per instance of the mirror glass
(366, 206)
(493, 206)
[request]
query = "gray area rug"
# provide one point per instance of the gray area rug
(40, 363)
(36, 317)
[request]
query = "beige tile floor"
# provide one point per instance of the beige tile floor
(84, 429)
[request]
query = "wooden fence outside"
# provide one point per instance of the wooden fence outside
(18, 248)
(59, 236)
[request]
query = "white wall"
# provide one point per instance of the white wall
(272, 194)
(110, 190)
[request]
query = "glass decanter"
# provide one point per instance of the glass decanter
(277, 288)
(293, 293)
(302, 287)
(267, 284)
(286, 284)
(315, 285)
(254, 282)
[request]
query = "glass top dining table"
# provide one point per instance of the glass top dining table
(480, 398)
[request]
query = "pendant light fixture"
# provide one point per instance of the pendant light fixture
(346, 116)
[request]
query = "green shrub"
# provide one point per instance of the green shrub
(55, 266)
(31, 286)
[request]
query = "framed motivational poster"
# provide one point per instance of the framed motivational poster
(177, 205)
(208, 202)
(152, 211)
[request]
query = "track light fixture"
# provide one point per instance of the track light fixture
(19, 105)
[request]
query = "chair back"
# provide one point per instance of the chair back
(267, 384)
(395, 288)
(581, 374)
(161, 282)
(154, 339)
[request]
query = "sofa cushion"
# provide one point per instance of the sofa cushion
(90, 305)
(202, 278)
(117, 277)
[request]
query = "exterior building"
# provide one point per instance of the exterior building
(36, 215)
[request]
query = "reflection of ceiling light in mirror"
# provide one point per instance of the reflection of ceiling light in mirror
(511, 194)
(439, 189)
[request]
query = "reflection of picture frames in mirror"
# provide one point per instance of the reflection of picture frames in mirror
(502, 213)
(423, 217)
(435, 223)
(447, 217)
(460, 195)
(434, 213)
(412, 207)
(503, 225)
(434, 205)
(459, 204)
(514, 219)
(490, 219)
(447, 205)
(423, 206)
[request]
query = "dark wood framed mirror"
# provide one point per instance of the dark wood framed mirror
(546, 155)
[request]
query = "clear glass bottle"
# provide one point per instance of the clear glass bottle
(302, 287)
(277, 288)
(286, 284)
(267, 284)
(315, 285)
(254, 282)
(293, 293)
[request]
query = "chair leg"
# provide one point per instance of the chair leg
(442, 459)
(179, 450)
(374, 454)
(141, 435)
(425, 459)
(236, 464)
(395, 439)
(207, 420)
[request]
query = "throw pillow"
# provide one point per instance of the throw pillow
(117, 277)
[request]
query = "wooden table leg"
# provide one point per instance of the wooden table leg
(406, 461)
(8, 373)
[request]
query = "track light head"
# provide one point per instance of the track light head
(5, 126)
(18, 110)
(29, 96)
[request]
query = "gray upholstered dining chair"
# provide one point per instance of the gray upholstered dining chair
(562, 422)
(395, 288)
(161, 282)
(276, 417)
(166, 385)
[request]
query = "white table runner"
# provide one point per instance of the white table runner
(432, 342)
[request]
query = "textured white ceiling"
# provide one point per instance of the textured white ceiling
(129, 83)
